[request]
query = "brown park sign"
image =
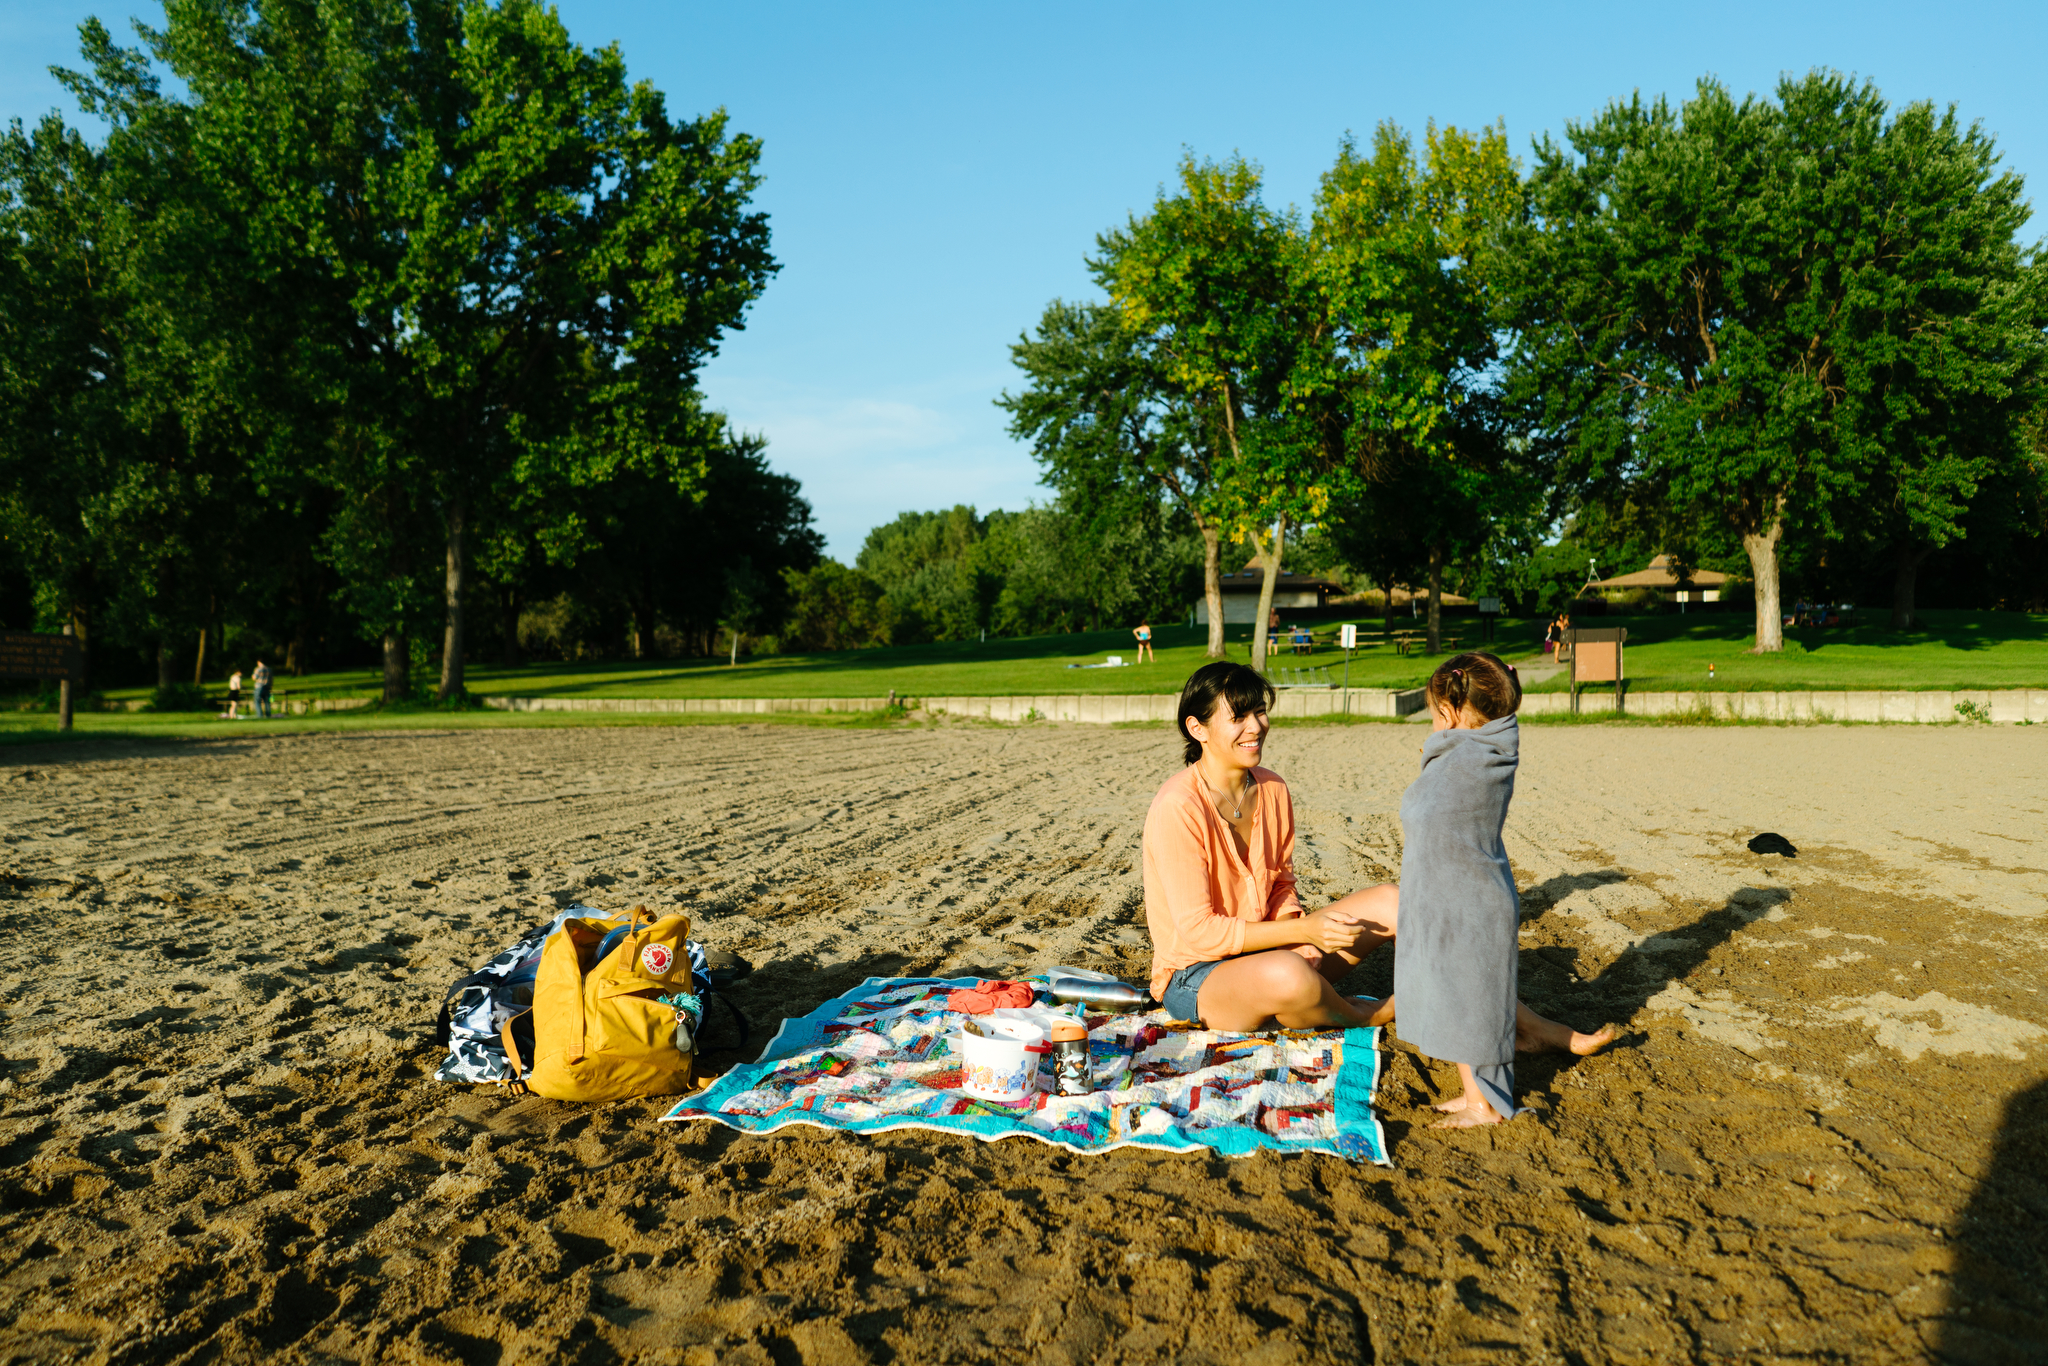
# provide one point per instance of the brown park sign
(31, 654)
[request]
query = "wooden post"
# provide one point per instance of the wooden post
(64, 695)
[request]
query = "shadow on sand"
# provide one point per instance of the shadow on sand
(1998, 1297)
(1551, 985)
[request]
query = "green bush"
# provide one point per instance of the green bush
(178, 697)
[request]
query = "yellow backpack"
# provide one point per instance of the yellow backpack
(599, 1031)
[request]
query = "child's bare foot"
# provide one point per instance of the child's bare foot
(1451, 1106)
(1470, 1114)
(1534, 1034)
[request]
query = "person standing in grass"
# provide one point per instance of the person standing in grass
(234, 693)
(1144, 635)
(260, 680)
(1455, 964)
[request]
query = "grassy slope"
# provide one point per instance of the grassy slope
(1954, 650)
(1028, 666)
(1665, 653)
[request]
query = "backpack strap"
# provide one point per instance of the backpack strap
(746, 1029)
(511, 1042)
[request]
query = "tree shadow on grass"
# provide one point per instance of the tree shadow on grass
(1998, 1295)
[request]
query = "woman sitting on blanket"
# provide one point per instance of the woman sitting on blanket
(1231, 945)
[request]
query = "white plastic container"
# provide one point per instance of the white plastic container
(1001, 1064)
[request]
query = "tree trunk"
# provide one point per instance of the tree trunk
(1763, 570)
(643, 626)
(735, 660)
(77, 627)
(397, 667)
(163, 665)
(298, 650)
(199, 665)
(1387, 609)
(1269, 562)
(508, 605)
(1436, 599)
(451, 645)
(1905, 578)
(1212, 588)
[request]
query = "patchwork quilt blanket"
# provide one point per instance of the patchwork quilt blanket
(886, 1056)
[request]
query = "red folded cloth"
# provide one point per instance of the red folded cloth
(983, 997)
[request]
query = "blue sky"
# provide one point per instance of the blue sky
(936, 173)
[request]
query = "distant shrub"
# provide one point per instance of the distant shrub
(179, 697)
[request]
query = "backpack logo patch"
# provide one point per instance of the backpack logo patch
(657, 959)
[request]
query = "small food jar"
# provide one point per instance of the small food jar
(1071, 1073)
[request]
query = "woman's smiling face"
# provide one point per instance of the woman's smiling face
(1230, 740)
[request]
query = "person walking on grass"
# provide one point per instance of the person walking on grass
(1456, 990)
(260, 680)
(1144, 635)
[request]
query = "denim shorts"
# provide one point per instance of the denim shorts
(1184, 989)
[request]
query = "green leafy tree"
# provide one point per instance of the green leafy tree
(832, 607)
(1112, 435)
(527, 260)
(1943, 352)
(1398, 383)
(932, 574)
(1208, 281)
(1729, 299)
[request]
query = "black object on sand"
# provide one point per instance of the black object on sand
(1111, 996)
(724, 967)
(1770, 842)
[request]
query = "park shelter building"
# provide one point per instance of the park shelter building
(1701, 585)
(1291, 593)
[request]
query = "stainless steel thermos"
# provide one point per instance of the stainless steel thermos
(1108, 996)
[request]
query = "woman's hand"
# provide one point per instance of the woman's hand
(1330, 931)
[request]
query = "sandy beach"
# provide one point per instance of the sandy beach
(1823, 1137)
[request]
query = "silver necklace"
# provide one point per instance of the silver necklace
(1237, 806)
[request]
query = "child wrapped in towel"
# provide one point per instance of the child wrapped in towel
(1455, 975)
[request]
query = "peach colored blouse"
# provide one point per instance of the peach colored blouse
(1198, 892)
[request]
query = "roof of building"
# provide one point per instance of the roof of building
(1660, 574)
(1252, 578)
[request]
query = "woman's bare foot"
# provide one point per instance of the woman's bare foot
(1377, 1012)
(1534, 1034)
(1451, 1106)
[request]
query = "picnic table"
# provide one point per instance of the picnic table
(1404, 641)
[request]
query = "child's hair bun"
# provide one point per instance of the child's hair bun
(1479, 680)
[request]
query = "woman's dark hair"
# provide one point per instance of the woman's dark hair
(1480, 680)
(1237, 684)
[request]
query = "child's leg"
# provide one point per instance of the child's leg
(1489, 1096)
(1534, 1034)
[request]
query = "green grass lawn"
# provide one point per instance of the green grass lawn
(1026, 666)
(1668, 652)
(1953, 650)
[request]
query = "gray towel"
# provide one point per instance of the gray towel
(1455, 974)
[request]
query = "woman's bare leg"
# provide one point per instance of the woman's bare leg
(1377, 912)
(1534, 1034)
(1277, 986)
